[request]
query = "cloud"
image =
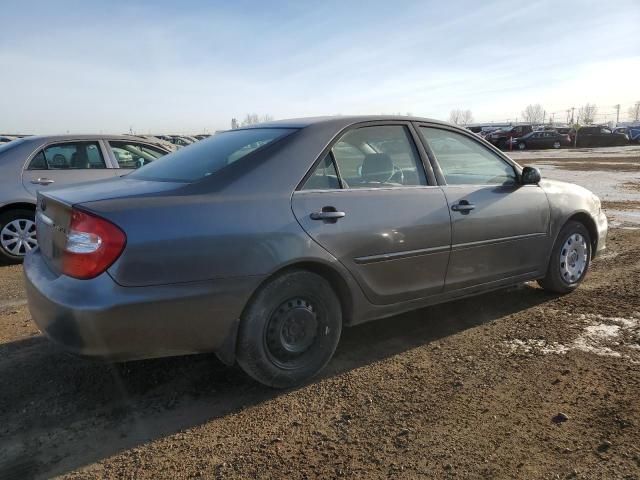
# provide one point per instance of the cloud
(194, 65)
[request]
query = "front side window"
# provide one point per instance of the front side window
(207, 157)
(464, 161)
(378, 157)
(134, 155)
(69, 156)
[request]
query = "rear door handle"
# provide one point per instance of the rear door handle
(463, 207)
(42, 181)
(327, 215)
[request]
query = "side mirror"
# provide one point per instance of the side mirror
(530, 176)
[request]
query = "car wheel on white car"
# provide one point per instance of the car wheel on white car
(570, 259)
(17, 235)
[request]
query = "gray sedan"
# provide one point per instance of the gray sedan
(30, 164)
(261, 243)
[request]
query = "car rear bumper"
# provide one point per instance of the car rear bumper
(100, 318)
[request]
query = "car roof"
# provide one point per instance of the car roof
(338, 121)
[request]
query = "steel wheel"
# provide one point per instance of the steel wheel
(18, 236)
(291, 331)
(574, 257)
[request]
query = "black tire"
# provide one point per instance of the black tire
(290, 329)
(7, 257)
(522, 146)
(557, 279)
(556, 144)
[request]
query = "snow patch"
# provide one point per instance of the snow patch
(604, 336)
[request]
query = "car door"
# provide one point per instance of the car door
(535, 141)
(60, 164)
(499, 228)
(369, 203)
(131, 155)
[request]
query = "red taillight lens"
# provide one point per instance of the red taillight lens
(93, 244)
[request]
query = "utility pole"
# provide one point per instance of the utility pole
(617, 107)
(568, 111)
(544, 116)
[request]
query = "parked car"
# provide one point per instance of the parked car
(159, 141)
(501, 138)
(261, 243)
(181, 141)
(541, 139)
(6, 139)
(632, 133)
(599, 137)
(30, 164)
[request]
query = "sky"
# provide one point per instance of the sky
(192, 66)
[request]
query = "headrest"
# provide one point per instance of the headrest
(377, 167)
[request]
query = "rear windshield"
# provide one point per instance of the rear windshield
(206, 157)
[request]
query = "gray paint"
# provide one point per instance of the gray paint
(394, 250)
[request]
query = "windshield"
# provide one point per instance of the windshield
(208, 156)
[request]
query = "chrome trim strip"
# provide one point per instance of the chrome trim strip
(46, 220)
(399, 255)
(480, 243)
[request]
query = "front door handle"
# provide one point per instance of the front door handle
(327, 215)
(42, 181)
(464, 206)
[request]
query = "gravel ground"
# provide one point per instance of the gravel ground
(514, 384)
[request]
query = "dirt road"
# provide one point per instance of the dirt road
(472, 389)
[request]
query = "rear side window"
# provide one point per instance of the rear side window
(464, 161)
(133, 155)
(324, 177)
(69, 156)
(206, 157)
(378, 157)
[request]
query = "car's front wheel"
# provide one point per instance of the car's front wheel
(290, 329)
(17, 235)
(556, 144)
(570, 259)
(522, 146)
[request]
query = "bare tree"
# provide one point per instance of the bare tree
(634, 112)
(253, 118)
(467, 117)
(587, 113)
(460, 117)
(455, 116)
(533, 114)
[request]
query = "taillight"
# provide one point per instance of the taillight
(93, 244)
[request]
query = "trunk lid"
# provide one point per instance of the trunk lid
(54, 208)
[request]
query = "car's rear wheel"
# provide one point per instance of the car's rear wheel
(556, 144)
(522, 146)
(290, 329)
(570, 259)
(17, 235)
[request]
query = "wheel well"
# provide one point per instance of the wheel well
(17, 206)
(590, 225)
(334, 278)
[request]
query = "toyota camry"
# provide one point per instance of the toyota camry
(261, 243)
